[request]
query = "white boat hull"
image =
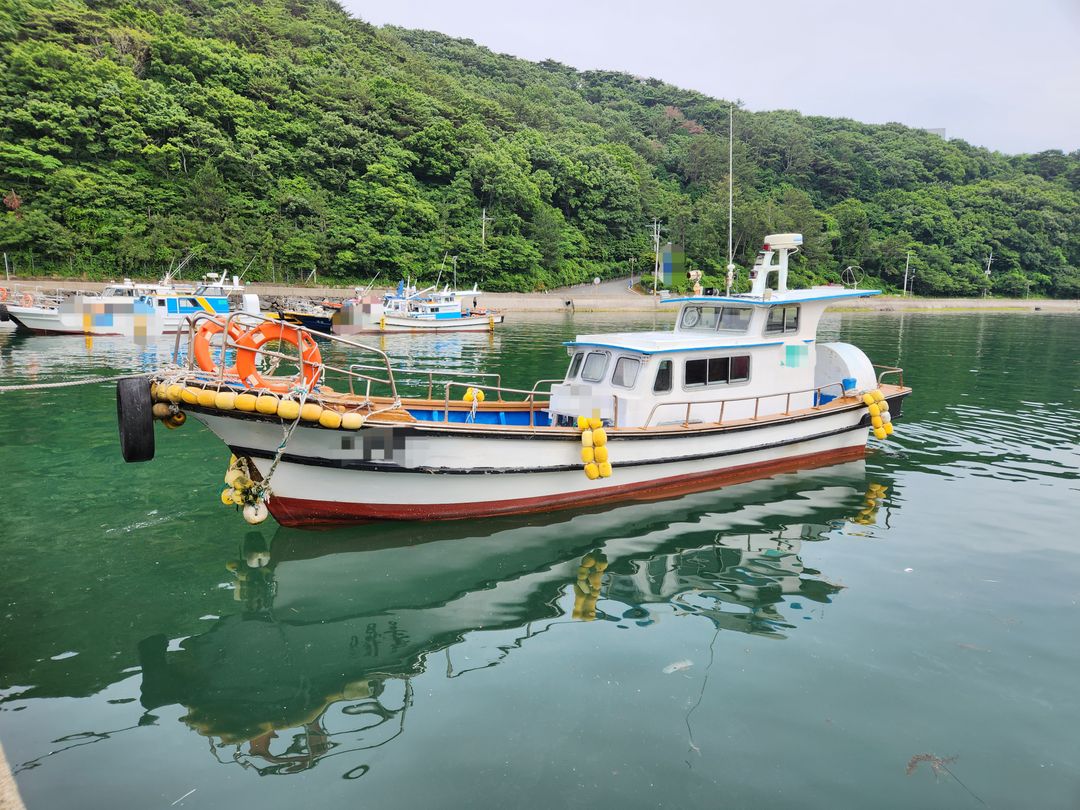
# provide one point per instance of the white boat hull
(52, 321)
(433, 471)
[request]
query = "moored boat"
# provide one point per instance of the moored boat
(739, 389)
(411, 310)
(129, 309)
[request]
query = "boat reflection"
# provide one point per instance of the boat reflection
(332, 628)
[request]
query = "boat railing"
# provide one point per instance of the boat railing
(434, 375)
(723, 403)
(884, 371)
(191, 324)
(529, 395)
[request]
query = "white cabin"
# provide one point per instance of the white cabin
(728, 357)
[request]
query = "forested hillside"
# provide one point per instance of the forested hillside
(287, 135)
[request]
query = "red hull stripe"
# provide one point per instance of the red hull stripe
(301, 512)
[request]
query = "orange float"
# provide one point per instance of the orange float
(3, 294)
(204, 352)
(26, 300)
(250, 344)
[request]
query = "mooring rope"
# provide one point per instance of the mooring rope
(69, 383)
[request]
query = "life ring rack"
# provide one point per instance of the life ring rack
(202, 349)
(251, 343)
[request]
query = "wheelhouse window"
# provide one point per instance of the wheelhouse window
(701, 318)
(662, 383)
(781, 320)
(575, 366)
(735, 319)
(698, 318)
(595, 366)
(716, 371)
(626, 371)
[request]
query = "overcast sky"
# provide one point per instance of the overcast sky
(998, 73)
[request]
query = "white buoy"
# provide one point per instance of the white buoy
(256, 513)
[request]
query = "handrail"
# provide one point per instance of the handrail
(431, 375)
(885, 370)
(757, 403)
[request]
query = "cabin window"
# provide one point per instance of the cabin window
(716, 371)
(626, 371)
(782, 319)
(700, 318)
(735, 319)
(595, 366)
(575, 365)
(662, 383)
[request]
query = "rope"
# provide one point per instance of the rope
(69, 384)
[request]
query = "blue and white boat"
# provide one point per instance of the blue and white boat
(130, 309)
(411, 310)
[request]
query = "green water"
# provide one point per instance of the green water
(801, 641)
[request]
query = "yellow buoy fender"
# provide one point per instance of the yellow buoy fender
(592, 472)
(599, 437)
(878, 396)
(888, 428)
(587, 439)
(880, 433)
(172, 393)
(588, 454)
(311, 412)
(868, 399)
(233, 477)
(205, 398)
(876, 421)
(594, 422)
(352, 421)
(174, 421)
(245, 402)
(583, 423)
(874, 410)
(237, 496)
(288, 409)
(884, 405)
(227, 496)
(600, 454)
(330, 419)
(605, 470)
(225, 400)
(266, 404)
(189, 396)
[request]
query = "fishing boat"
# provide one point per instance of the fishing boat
(411, 310)
(129, 309)
(740, 388)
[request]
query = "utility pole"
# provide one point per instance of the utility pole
(483, 226)
(989, 260)
(656, 250)
(907, 264)
(7, 269)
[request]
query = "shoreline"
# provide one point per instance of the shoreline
(586, 299)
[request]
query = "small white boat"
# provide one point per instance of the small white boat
(129, 309)
(412, 310)
(739, 389)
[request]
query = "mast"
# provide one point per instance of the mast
(730, 199)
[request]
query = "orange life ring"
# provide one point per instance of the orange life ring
(250, 344)
(3, 293)
(26, 300)
(204, 352)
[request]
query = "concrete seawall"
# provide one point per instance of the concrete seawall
(585, 299)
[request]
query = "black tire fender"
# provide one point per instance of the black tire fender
(135, 419)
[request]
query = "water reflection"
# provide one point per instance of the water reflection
(332, 628)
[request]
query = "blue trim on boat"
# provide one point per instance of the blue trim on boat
(672, 351)
(757, 302)
(515, 418)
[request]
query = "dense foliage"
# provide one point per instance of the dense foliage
(287, 135)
